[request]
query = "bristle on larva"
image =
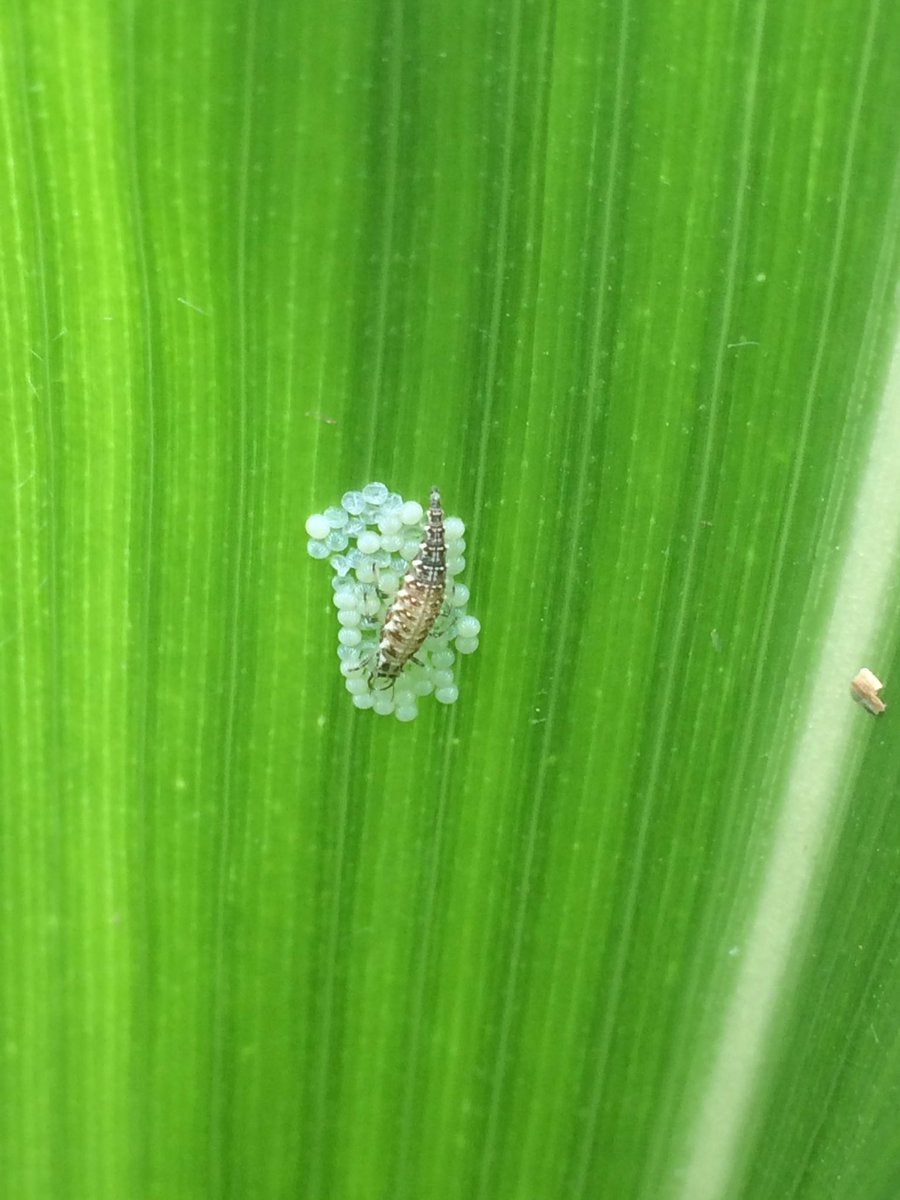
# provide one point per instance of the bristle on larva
(414, 609)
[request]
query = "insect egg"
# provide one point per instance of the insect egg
(402, 620)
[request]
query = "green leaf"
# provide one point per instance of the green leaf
(622, 281)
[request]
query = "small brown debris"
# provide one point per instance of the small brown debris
(864, 688)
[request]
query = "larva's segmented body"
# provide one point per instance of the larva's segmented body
(414, 609)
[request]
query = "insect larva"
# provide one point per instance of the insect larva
(413, 611)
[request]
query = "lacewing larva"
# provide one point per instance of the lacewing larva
(413, 611)
(864, 688)
(395, 576)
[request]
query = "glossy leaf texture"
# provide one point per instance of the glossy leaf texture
(620, 280)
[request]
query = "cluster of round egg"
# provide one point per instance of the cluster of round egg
(370, 539)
